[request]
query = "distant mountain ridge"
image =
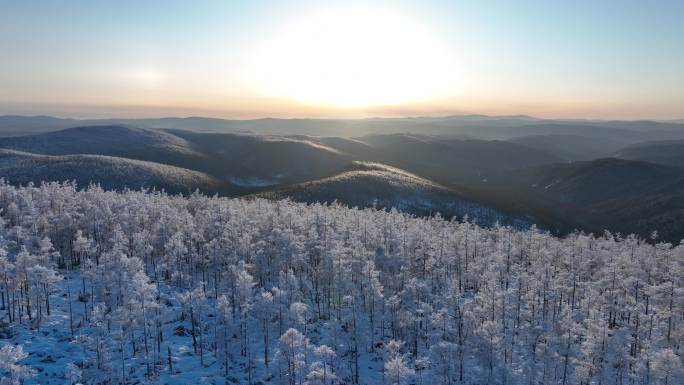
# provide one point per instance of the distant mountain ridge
(478, 126)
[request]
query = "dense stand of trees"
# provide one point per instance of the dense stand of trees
(285, 293)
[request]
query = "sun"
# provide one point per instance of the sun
(353, 57)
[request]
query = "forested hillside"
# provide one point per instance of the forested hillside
(121, 288)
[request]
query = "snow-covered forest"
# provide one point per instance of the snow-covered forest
(103, 287)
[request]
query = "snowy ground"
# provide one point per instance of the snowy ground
(52, 349)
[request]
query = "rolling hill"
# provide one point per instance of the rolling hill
(455, 163)
(119, 141)
(369, 184)
(242, 159)
(619, 195)
(265, 160)
(109, 172)
(571, 147)
(670, 153)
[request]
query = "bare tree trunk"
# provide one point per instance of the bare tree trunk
(168, 349)
(71, 314)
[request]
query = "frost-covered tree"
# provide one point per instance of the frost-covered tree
(397, 372)
(13, 372)
(247, 291)
(292, 354)
(667, 366)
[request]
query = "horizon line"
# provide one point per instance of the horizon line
(437, 116)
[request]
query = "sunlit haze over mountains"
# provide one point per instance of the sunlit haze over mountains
(581, 59)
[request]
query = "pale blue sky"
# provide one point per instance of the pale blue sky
(608, 59)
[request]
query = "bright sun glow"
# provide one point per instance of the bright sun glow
(353, 58)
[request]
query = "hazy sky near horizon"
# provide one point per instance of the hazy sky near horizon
(595, 59)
